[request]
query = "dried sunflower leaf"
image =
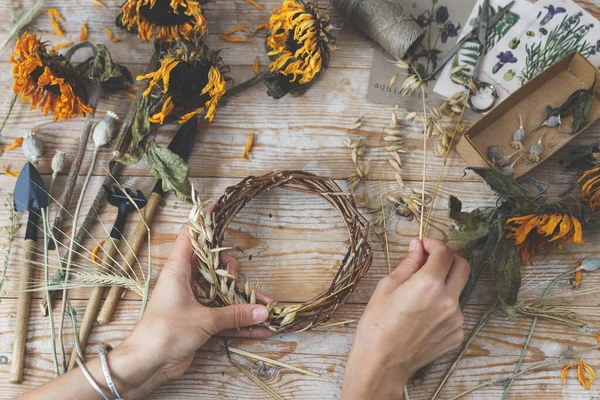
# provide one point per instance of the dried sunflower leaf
(171, 169)
(506, 268)
(468, 226)
(504, 185)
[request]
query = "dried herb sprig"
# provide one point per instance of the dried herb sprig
(207, 233)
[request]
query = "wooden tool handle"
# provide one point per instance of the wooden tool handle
(136, 242)
(110, 250)
(16, 368)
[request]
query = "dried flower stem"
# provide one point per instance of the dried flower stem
(237, 89)
(441, 174)
(482, 323)
(46, 225)
(421, 230)
(10, 230)
(10, 108)
(22, 22)
(256, 380)
(530, 334)
(271, 361)
(568, 354)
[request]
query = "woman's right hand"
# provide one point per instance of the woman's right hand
(412, 318)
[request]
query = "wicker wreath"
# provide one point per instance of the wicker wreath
(207, 233)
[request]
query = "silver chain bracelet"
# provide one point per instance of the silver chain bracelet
(102, 352)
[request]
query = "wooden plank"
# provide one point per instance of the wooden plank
(211, 376)
(292, 244)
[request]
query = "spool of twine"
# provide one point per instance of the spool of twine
(383, 22)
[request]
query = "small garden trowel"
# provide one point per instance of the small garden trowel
(31, 196)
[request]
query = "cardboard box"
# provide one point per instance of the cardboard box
(551, 87)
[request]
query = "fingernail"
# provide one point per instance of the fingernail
(260, 314)
(413, 245)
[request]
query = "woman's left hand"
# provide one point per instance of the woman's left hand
(175, 325)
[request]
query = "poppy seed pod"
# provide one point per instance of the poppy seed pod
(58, 162)
(33, 148)
(105, 129)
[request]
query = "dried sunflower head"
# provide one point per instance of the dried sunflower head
(47, 80)
(533, 233)
(162, 19)
(299, 42)
(590, 188)
(186, 83)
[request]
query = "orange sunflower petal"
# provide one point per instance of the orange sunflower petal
(62, 46)
(248, 147)
(18, 142)
(56, 26)
(585, 374)
(256, 65)
(11, 174)
(96, 250)
(255, 4)
(55, 13)
(563, 373)
(111, 35)
(84, 32)
(578, 276)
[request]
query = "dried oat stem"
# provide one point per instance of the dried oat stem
(10, 108)
(22, 22)
(10, 230)
(567, 354)
(257, 381)
(441, 174)
(421, 230)
(46, 225)
(207, 233)
(270, 361)
(482, 323)
(533, 324)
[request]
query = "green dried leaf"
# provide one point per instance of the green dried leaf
(581, 112)
(468, 226)
(504, 185)
(171, 169)
(114, 77)
(506, 268)
(141, 125)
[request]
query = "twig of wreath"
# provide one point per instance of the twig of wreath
(207, 232)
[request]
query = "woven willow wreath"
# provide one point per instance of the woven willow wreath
(207, 233)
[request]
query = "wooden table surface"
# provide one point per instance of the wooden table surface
(290, 242)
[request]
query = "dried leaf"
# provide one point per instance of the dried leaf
(506, 268)
(468, 226)
(581, 112)
(171, 169)
(504, 185)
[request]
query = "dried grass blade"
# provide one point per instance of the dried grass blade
(274, 362)
(256, 380)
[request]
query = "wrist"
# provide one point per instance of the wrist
(134, 371)
(373, 380)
